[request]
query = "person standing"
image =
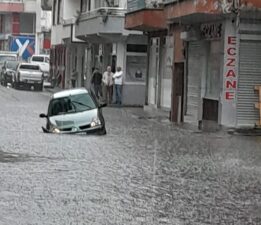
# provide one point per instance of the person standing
(74, 78)
(108, 85)
(97, 81)
(117, 77)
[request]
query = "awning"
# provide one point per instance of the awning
(146, 20)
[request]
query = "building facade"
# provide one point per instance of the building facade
(215, 61)
(94, 31)
(23, 27)
(148, 17)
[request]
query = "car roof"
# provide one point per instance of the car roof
(8, 54)
(69, 92)
(29, 64)
(8, 61)
(41, 56)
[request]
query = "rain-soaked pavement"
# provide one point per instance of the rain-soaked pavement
(143, 172)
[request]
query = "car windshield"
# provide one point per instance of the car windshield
(71, 104)
(29, 67)
(7, 57)
(38, 59)
(11, 65)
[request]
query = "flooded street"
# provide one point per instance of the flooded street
(143, 172)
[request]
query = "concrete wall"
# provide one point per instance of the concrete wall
(133, 94)
(70, 8)
(30, 5)
(60, 32)
(123, 4)
(96, 25)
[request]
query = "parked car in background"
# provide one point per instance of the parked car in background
(44, 62)
(74, 111)
(27, 76)
(7, 56)
(8, 72)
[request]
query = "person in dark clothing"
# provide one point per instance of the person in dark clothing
(97, 81)
(74, 78)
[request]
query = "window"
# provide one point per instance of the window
(59, 12)
(7, 57)
(137, 48)
(71, 104)
(47, 60)
(38, 59)
(136, 68)
(100, 3)
(11, 64)
(83, 5)
(54, 11)
(30, 67)
(112, 3)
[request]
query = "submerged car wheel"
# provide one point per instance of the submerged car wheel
(103, 131)
(38, 87)
(15, 85)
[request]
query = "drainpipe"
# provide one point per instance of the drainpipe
(160, 75)
(147, 73)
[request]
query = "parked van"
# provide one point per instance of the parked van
(43, 61)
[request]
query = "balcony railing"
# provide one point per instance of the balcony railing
(134, 5)
(110, 11)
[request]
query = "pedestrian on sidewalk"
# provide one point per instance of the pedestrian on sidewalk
(96, 81)
(107, 85)
(117, 77)
(74, 78)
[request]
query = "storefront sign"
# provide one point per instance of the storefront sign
(211, 31)
(230, 72)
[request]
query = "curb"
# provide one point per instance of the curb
(245, 132)
(52, 90)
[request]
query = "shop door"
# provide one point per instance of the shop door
(153, 72)
(249, 76)
(194, 71)
(166, 72)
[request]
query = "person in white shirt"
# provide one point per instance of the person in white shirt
(107, 80)
(117, 77)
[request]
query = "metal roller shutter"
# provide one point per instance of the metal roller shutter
(249, 76)
(195, 68)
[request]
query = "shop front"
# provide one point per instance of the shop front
(203, 76)
(241, 74)
(249, 74)
(160, 71)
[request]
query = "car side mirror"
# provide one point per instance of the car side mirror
(42, 115)
(102, 105)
